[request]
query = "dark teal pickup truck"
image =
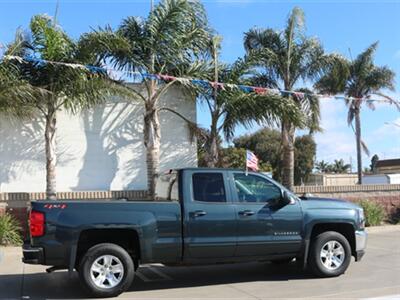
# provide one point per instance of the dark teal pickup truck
(200, 216)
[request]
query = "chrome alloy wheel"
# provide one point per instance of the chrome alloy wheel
(107, 271)
(332, 255)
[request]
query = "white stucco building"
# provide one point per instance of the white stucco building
(98, 149)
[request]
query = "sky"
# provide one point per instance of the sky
(346, 27)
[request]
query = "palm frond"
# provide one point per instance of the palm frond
(50, 41)
(102, 44)
(335, 80)
(310, 106)
(177, 29)
(20, 46)
(390, 100)
(365, 148)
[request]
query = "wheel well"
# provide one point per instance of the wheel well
(126, 238)
(345, 229)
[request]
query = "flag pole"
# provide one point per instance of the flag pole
(245, 161)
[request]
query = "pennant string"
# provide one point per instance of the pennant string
(200, 82)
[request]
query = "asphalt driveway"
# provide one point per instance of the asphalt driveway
(377, 275)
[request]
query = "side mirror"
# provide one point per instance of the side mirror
(286, 198)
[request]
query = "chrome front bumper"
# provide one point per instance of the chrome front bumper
(361, 243)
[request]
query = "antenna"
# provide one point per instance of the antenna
(351, 164)
(56, 12)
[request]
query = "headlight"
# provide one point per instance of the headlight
(361, 218)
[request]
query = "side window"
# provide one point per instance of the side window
(253, 188)
(208, 187)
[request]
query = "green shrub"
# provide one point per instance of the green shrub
(374, 213)
(9, 231)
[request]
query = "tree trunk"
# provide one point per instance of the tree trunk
(152, 136)
(288, 131)
(212, 155)
(51, 156)
(358, 142)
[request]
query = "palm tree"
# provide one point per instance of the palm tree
(339, 166)
(13, 88)
(358, 79)
(322, 166)
(54, 86)
(286, 58)
(167, 42)
(228, 106)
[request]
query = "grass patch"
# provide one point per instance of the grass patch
(374, 212)
(10, 231)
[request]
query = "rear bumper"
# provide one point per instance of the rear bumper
(361, 244)
(32, 255)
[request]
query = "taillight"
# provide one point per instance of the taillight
(36, 223)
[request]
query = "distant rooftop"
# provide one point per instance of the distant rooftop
(388, 162)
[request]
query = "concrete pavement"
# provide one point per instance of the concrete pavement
(376, 276)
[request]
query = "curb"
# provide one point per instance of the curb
(384, 228)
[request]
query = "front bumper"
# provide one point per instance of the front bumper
(361, 243)
(32, 255)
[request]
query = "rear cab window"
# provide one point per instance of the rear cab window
(209, 187)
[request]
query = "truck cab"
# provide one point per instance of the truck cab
(230, 215)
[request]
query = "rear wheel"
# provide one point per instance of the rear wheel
(330, 254)
(106, 270)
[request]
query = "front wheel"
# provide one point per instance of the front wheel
(330, 254)
(106, 270)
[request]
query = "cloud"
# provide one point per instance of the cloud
(397, 54)
(389, 129)
(337, 139)
(379, 131)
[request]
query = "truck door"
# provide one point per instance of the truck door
(209, 216)
(264, 228)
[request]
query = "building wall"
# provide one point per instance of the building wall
(99, 149)
(388, 170)
(332, 179)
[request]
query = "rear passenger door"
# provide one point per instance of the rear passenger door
(210, 221)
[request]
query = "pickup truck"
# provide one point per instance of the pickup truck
(199, 216)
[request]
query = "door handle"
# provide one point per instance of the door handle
(246, 213)
(198, 213)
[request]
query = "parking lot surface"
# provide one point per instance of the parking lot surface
(376, 276)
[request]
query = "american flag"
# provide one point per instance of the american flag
(251, 161)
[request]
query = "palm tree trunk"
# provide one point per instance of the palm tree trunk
(358, 141)
(152, 137)
(288, 155)
(212, 155)
(51, 157)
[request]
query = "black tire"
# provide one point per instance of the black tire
(282, 261)
(315, 261)
(95, 253)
